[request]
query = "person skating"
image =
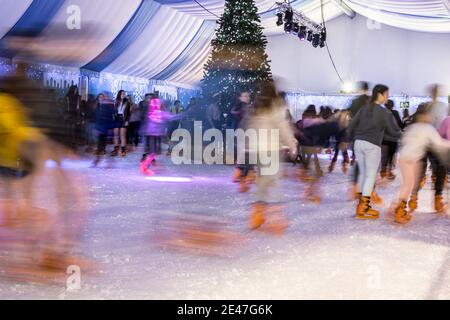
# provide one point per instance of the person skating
(153, 131)
(121, 118)
(268, 115)
(240, 112)
(418, 139)
(368, 128)
(342, 141)
(104, 121)
(390, 143)
(356, 105)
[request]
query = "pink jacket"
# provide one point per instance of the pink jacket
(444, 129)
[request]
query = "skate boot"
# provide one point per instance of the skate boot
(146, 162)
(305, 176)
(344, 167)
(257, 218)
(277, 223)
(375, 198)
(311, 194)
(423, 182)
(390, 175)
(401, 215)
(365, 211)
(123, 151)
(433, 178)
(237, 175)
(244, 185)
(319, 171)
(331, 167)
(439, 205)
(96, 161)
(115, 152)
(413, 202)
(251, 177)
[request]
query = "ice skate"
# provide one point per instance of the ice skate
(375, 198)
(115, 152)
(365, 211)
(305, 176)
(439, 205)
(276, 222)
(312, 195)
(123, 152)
(423, 182)
(331, 166)
(401, 215)
(413, 202)
(257, 217)
(244, 185)
(344, 167)
(146, 162)
(237, 175)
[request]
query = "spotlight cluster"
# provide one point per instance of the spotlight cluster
(295, 22)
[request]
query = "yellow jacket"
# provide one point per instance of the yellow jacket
(14, 130)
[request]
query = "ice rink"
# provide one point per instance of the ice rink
(324, 254)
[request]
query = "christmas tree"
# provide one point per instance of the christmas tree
(238, 59)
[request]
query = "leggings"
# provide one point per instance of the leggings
(388, 150)
(307, 153)
(101, 142)
(439, 170)
(410, 171)
(133, 131)
(341, 146)
(369, 157)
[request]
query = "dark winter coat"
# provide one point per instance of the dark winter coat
(358, 103)
(126, 112)
(371, 123)
(104, 117)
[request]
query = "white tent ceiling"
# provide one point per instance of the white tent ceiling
(170, 39)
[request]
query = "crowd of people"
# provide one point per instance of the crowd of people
(375, 135)
(370, 135)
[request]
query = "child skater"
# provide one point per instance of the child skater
(153, 131)
(417, 140)
(267, 117)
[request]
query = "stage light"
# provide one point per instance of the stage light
(289, 16)
(323, 39)
(302, 33)
(316, 40)
(295, 28)
(280, 18)
(288, 27)
(310, 36)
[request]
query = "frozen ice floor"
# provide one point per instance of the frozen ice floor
(324, 254)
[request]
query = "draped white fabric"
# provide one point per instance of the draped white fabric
(173, 44)
(101, 22)
(214, 6)
(12, 10)
(417, 15)
(168, 33)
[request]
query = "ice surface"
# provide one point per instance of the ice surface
(324, 254)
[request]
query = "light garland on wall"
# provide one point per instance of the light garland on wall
(299, 101)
